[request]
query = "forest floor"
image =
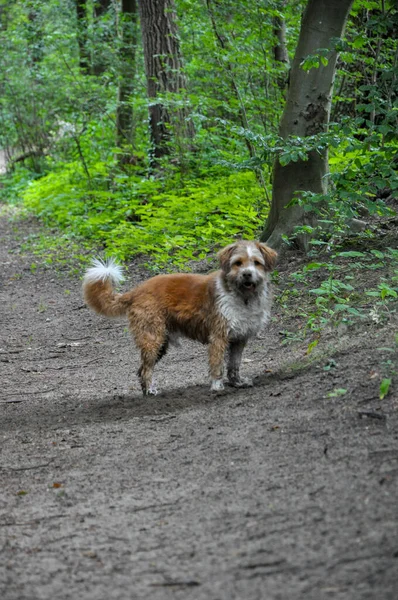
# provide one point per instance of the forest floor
(285, 491)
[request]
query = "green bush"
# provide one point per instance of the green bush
(173, 222)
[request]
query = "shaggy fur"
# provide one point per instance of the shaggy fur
(223, 309)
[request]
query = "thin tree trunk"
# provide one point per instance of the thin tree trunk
(163, 68)
(128, 34)
(281, 54)
(280, 48)
(81, 12)
(306, 113)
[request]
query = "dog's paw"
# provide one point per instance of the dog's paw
(217, 385)
(151, 391)
(242, 382)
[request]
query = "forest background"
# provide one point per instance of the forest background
(154, 127)
(157, 132)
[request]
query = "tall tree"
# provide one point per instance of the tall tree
(163, 68)
(281, 54)
(128, 44)
(306, 113)
(81, 13)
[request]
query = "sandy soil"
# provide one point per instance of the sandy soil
(275, 492)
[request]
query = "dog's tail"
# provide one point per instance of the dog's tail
(98, 289)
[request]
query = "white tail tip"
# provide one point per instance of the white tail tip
(103, 270)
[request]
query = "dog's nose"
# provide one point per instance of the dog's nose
(247, 275)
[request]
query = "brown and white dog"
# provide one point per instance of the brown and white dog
(223, 309)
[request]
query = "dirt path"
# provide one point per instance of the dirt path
(277, 492)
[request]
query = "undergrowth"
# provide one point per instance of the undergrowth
(171, 221)
(351, 287)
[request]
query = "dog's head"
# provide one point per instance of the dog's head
(246, 265)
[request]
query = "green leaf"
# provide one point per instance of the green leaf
(351, 254)
(336, 393)
(311, 346)
(377, 253)
(340, 307)
(384, 388)
(314, 266)
(354, 311)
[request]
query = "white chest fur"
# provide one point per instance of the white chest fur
(245, 319)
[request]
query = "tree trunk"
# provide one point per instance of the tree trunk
(163, 68)
(281, 54)
(128, 34)
(81, 12)
(306, 113)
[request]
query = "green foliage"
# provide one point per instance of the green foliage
(61, 118)
(344, 293)
(13, 184)
(132, 215)
(385, 387)
(228, 48)
(336, 393)
(362, 168)
(314, 61)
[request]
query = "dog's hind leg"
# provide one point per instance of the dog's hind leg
(163, 350)
(153, 347)
(145, 372)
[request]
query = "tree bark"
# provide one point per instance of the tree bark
(280, 48)
(128, 35)
(281, 54)
(279, 30)
(81, 12)
(306, 113)
(163, 68)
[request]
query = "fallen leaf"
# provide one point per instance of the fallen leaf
(384, 388)
(90, 554)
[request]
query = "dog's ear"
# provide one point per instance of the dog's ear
(269, 256)
(224, 256)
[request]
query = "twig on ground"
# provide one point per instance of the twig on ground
(371, 414)
(176, 583)
(15, 401)
(28, 468)
(35, 392)
(33, 521)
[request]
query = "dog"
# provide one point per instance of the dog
(223, 309)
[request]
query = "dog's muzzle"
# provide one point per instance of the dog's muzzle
(248, 281)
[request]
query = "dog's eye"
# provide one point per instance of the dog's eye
(238, 263)
(257, 263)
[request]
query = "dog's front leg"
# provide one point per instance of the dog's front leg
(217, 348)
(235, 352)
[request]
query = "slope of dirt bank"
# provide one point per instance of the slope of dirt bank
(275, 492)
